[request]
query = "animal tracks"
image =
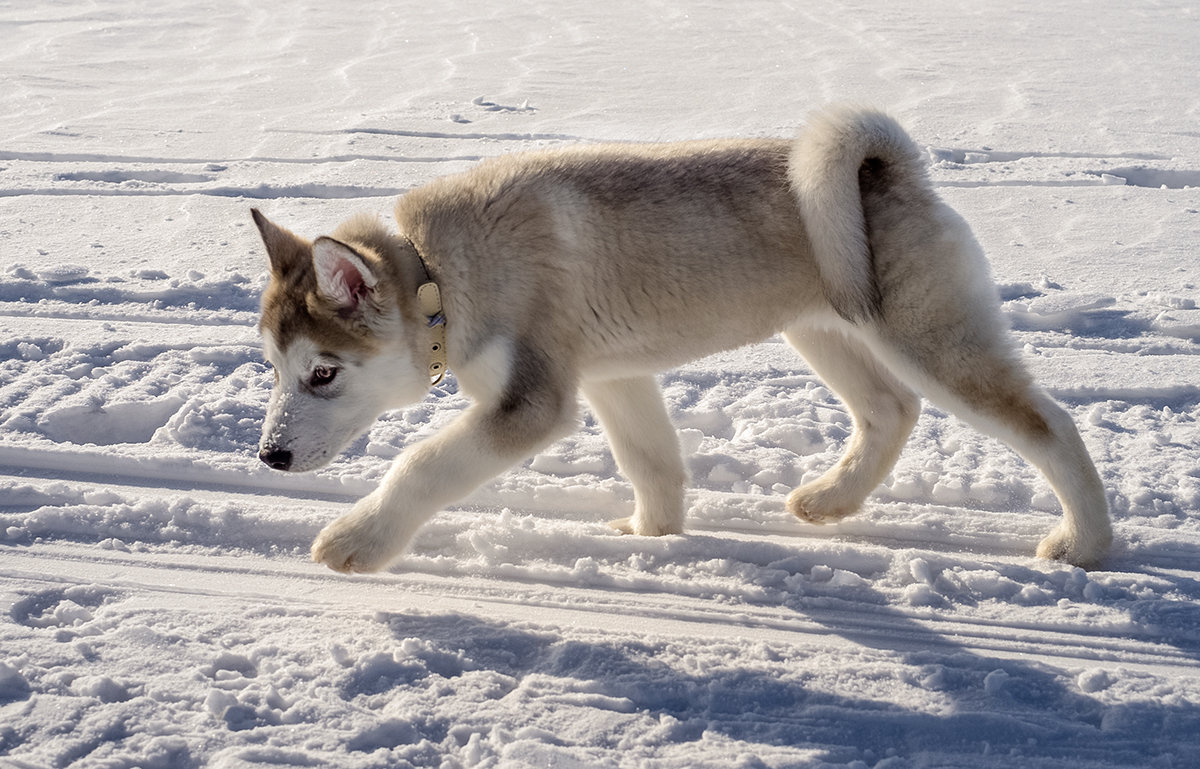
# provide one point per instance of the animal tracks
(383, 159)
(149, 176)
(1157, 178)
(362, 162)
(987, 155)
(958, 167)
(59, 607)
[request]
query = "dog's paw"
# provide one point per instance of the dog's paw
(634, 525)
(819, 504)
(623, 525)
(343, 548)
(359, 541)
(1070, 547)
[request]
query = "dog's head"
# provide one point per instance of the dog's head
(343, 337)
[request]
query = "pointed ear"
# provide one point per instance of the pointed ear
(343, 276)
(284, 249)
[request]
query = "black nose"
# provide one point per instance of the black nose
(276, 459)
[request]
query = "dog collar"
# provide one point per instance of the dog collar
(429, 302)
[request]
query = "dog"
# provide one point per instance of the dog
(588, 269)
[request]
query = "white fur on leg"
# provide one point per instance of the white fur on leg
(646, 447)
(828, 499)
(1043, 433)
(441, 469)
(365, 539)
(1085, 534)
(1084, 549)
(884, 412)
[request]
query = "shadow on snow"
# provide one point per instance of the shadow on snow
(991, 709)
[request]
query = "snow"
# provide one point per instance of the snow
(159, 607)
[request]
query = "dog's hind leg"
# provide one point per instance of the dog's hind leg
(884, 412)
(646, 447)
(978, 377)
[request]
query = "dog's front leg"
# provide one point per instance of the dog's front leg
(646, 448)
(486, 440)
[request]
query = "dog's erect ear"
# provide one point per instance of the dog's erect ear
(343, 277)
(284, 249)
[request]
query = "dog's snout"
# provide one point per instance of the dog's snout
(276, 458)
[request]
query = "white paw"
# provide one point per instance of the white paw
(636, 525)
(1074, 548)
(360, 541)
(623, 525)
(818, 503)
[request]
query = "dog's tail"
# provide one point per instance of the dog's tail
(835, 150)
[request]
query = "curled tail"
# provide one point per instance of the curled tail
(825, 166)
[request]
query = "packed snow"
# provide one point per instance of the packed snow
(159, 606)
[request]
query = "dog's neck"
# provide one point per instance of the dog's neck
(429, 304)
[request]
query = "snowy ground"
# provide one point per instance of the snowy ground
(159, 608)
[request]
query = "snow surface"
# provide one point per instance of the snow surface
(159, 607)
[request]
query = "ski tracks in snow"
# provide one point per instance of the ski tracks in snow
(135, 518)
(159, 594)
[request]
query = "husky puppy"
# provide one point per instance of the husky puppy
(539, 276)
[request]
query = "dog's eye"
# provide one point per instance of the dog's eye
(322, 375)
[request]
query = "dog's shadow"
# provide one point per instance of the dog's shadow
(968, 703)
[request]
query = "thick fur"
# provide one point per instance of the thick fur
(589, 269)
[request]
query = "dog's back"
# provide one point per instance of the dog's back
(619, 248)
